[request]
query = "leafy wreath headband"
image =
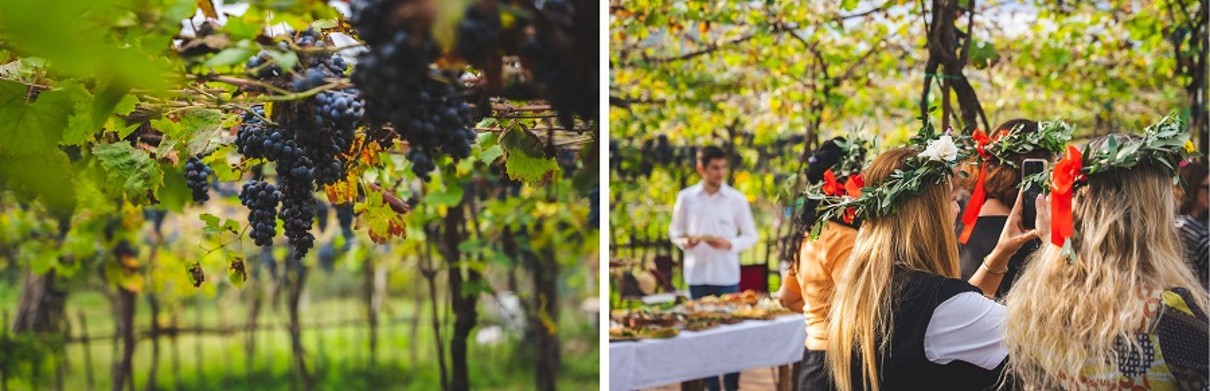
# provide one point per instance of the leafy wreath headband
(931, 166)
(1051, 136)
(1165, 144)
(843, 179)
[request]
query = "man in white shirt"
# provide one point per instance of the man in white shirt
(712, 223)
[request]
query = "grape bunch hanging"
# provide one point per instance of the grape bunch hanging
(306, 139)
(426, 107)
(197, 177)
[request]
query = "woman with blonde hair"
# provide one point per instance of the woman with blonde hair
(1110, 302)
(901, 319)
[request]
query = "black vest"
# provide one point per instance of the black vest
(904, 366)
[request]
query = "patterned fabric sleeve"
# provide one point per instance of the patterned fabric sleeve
(1196, 239)
(1183, 338)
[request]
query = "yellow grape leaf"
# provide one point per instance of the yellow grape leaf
(344, 191)
(382, 222)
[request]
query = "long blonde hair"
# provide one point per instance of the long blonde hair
(1063, 314)
(916, 237)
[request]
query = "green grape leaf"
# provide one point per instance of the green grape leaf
(211, 223)
(138, 176)
(48, 176)
(33, 128)
(218, 162)
(236, 273)
(525, 157)
(230, 56)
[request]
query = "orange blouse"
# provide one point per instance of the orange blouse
(820, 263)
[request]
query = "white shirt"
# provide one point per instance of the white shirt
(967, 327)
(724, 214)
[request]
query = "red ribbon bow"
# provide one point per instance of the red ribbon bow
(1062, 183)
(851, 187)
(831, 186)
(979, 196)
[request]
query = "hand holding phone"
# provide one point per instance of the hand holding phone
(1029, 212)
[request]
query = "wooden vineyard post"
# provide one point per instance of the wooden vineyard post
(87, 346)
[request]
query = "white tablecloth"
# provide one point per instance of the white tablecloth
(697, 354)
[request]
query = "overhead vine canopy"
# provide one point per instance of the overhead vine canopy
(116, 96)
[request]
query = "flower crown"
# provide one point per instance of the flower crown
(1165, 144)
(1051, 136)
(843, 179)
(931, 166)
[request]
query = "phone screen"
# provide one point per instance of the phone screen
(1028, 211)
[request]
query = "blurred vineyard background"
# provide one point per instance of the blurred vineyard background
(770, 80)
(455, 249)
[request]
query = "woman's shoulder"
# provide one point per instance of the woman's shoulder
(934, 287)
(1182, 334)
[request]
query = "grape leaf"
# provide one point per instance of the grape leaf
(33, 128)
(211, 223)
(47, 176)
(343, 191)
(218, 162)
(381, 221)
(525, 157)
(230, 56)
(139, 177)
(236, 273)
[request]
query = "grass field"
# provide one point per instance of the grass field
(338, 356)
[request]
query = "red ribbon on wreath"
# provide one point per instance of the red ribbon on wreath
(831, 186)
(979, 196)
(851, 187)
(1062, 185)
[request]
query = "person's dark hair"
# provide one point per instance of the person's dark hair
(1002, 179)
(708, 153)
(826, 156)
(1192, 175)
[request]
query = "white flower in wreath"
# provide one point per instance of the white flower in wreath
(942, 148)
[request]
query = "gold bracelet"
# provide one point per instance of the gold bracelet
(995, 272)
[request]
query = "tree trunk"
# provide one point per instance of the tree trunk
(430, 274)
(154, 305)
(41, 305)
(544, 318)
(368, 271)
(256, 290)
(297, 275)
(948, 55)
(122, 368)
(465, 315)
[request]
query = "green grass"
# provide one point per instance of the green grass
(338, 357)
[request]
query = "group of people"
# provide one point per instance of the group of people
(1104, 288)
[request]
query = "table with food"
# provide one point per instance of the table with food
(653, 346)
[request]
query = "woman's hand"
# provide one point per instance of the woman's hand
(1042, 221)
(1014, 234)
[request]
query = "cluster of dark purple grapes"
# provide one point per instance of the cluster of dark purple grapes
(261, 198)
(344, 215)
(425, 106)
(257, 68)
(197, 176)
(594, 206)
(564, 55)
(310, 139)
(298, 209)
(422, 164)
(568, 160)
(479, 35)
